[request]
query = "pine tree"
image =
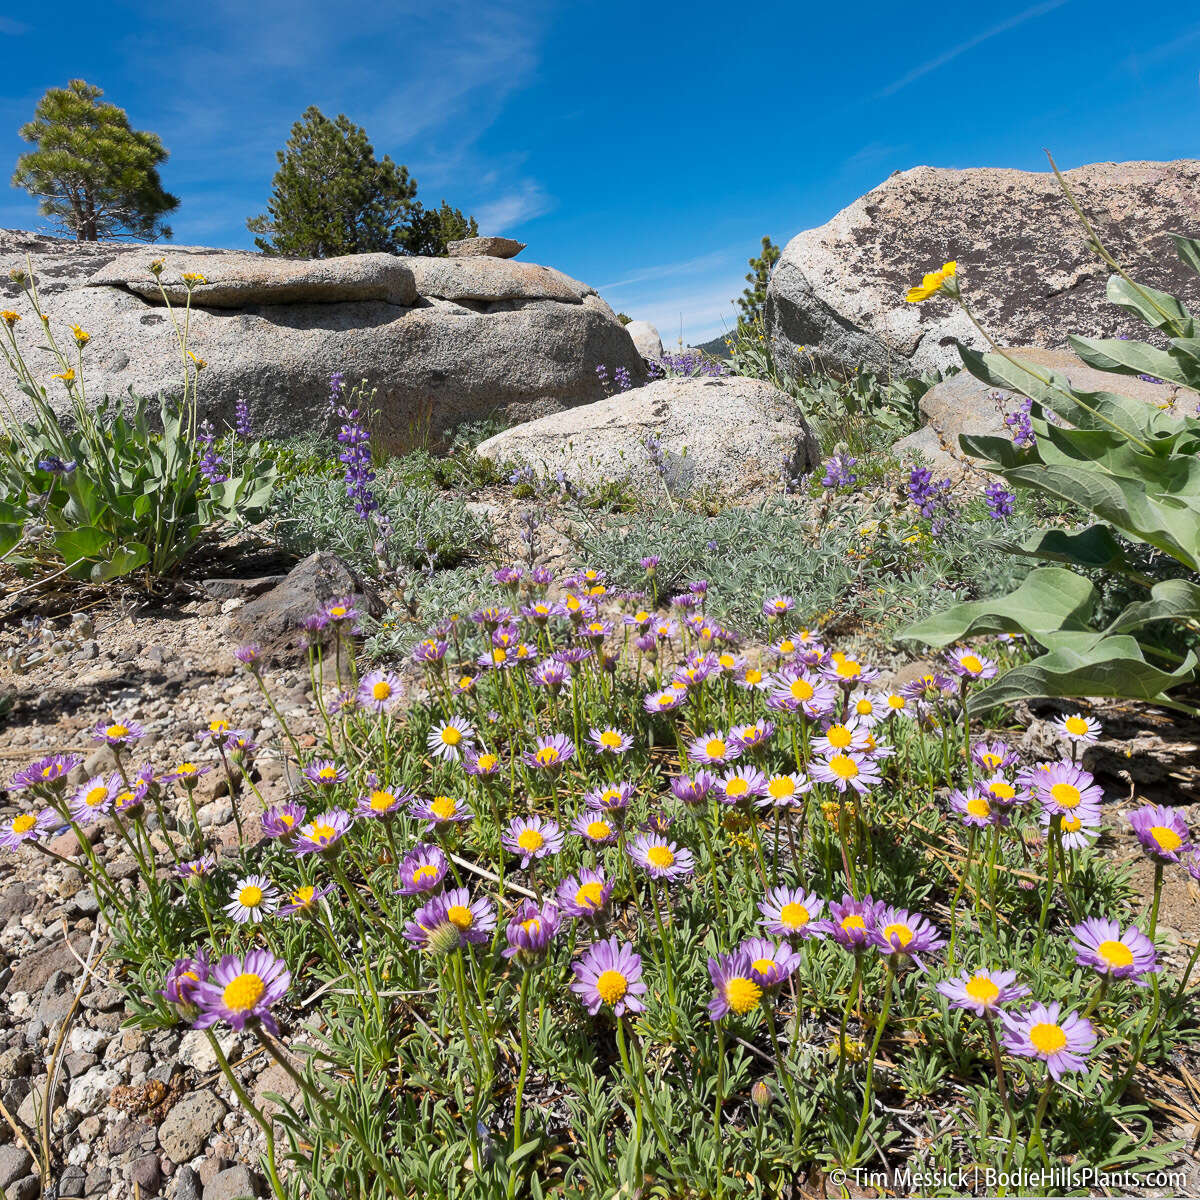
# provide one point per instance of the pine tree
(93, 174)
(753, 299)
(431, 230)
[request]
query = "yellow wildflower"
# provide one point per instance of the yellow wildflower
(200, 363)
(191, 278)
(9, 317)
(67, 376)
(81, 336)
(934, 282)
(156, 267)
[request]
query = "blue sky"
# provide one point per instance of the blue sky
(642, 148)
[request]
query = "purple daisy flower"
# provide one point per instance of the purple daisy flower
(532, 837)
(975, 808)
(117, 733)
(530, 931)
(451, 920)
(611, 797)
(585, 895)
(1061, 1041)
(666, 700)
(440, 813)
(303, 900)
(609, 973)
(325, 773)
(196, 868)
(900, 932)
(662, 859)
(841, 737)
(1064, 787)
(1100, 944)
(94, 798)
(1077, 829)
(753, 737)
(784, 791)
(982, 992)
(770, 962)
(713, 749)
(797, 689)
(379, 691)
(736, 990)
(340, 611)
(848, 672)
(740, 786)
(381, 803)
(179, 985)
(1002, 792)
(609, 740)
(49, 772)
(322, 834)
(422, 869)
(850, 922)
(1162, 832)
(778, 606)
(791, 913)
(241, 990)
(250, 656)
(692, 791)
(481, 763)
(966, 664)
(595, 826)
(846, 770)
(992, 757)
(430, 652)
(26, 827)
(1078, 728)
(283, 820)
(931, 688)
(552, 753)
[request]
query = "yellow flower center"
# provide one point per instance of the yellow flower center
(754, 675)
(327, 773)
(839, 736)
(1002, 789)
(896, 701)
(425, 871)
(338, 610)
(220, 725)
(589, 895)
(853, 922)
(1072, 823)
(843, 766)
(1066, 795)
(847, 668)
(610, 739)
(533, 925)
(864, 707)
(303, 897)
(970, 662)
(95, 796)
(742, 994)
(381, 690)
(1167, 839)
(451, 735)
(801, 689)
(781, 786)
(382, 801)
(287, 820)
(486, 762)
(499, 654)
(250, 896)
(660, 856)
(24, 823)
(991, 761)
(321, 831)
(611, 986)
(1047, 1038)
(243, 992)
(598, 829)
(444, 807)
(1076, 725)
(898, 932)
(763, 966)
(982, 990)
(1115, 953)
(460, 916)
(726, 661)
(547, 756)
(794, 916)
(977, 806)
(117, 731)
(530, 840)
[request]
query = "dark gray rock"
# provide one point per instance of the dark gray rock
(72, 1181)
(14, 1163)
(190, 1124)
(146, 1172)
(186, 1185)
(234, 1183)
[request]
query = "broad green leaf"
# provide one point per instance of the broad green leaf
(129, 557)
(1156, 308)
(1170, 600)
(1049, 600)
(84, 543)
(1188, 250)
(1112, 666)
(1133, 358)
(1093, 547)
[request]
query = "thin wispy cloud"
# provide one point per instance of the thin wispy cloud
(1156, 54)
(948, 56)
(507, 212)
(687, 266)
(12, 28)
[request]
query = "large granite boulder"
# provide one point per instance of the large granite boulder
(837, 292)
(476, 247)
(442, 340)
(646, 338)
(963, 404)
(730, 433)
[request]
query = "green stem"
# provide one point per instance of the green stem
(866, 1107)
